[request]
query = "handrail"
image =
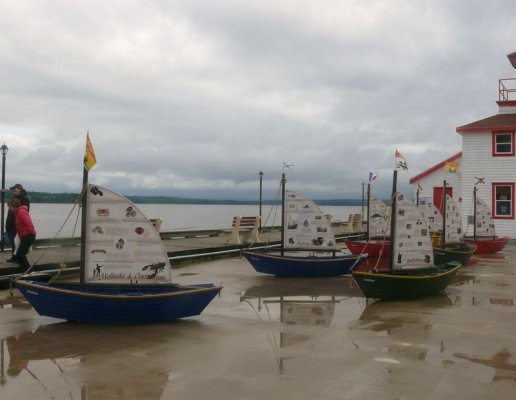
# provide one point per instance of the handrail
(504, 91)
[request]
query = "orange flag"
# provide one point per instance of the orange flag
(89, 155)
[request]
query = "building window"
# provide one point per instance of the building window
(503, 144)
(503, 200)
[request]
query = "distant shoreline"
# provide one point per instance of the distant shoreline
(70, 198)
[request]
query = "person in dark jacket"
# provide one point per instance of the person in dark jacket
(10, 225)
(24, 229)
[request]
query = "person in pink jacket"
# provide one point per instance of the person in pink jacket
(25, 230)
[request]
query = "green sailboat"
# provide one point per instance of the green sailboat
(448, 246)
(412, 272)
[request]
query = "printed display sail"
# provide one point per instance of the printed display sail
(484, 220)
(379, 218)
(122, 246)
(412, 245)
(434, 219)
(306, 226)
(453, 221)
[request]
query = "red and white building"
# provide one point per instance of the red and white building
(487, 159)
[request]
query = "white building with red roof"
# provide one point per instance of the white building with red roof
(487, 161)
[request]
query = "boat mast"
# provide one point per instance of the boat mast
(283, 211)
(393, 217)
(444, 213)
(474, 213)
(368, 209)
(84, 201)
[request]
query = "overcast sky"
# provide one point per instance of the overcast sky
(193, 98)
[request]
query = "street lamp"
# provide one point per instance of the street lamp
(261, 178)
(3, 149)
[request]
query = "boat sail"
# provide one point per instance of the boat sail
(450, 247)
(305, 228)
(484, 232)
(411, 271)
(125, 271)
(432, 215)
(378, 228)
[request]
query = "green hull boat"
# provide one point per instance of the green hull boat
(460, 252)
(407, 283)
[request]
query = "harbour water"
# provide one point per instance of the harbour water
(279, 338)
(48, 218)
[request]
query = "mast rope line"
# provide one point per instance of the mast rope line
(275, 208)
(53, 240)
(387, 219)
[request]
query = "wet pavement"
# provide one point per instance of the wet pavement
(279, 338)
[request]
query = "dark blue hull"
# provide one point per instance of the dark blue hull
(296, 266)
(121, 304)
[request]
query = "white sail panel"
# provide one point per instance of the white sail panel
(412, 245)
(379, 217)
(306, 226)
(453, 221)
(433, 216)
(122, 246)
(484, 219)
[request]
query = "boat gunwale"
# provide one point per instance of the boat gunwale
(365, 274)
(304, 260)
(31, 284)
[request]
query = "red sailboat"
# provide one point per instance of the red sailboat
(484, 234)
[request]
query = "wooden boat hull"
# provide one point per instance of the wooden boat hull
(372, 248)
(460, 252)
(296, 266)
(406, 284)
(120, 304)
(488, 246)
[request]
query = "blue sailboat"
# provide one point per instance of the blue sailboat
(125, 271)
(306, 229)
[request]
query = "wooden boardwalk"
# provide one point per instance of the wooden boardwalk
(183, 247)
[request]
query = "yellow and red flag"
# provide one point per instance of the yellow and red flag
(451, 166)
(89, 155)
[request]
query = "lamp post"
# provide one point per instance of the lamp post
(261, 178)
(3, 149)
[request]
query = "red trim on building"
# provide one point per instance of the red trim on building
(494, 153)
(493, 191)
(496, 122)
(434, 168)
(506, 103)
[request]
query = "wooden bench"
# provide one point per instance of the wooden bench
(156, 222)
(353, 224)
(243, 229)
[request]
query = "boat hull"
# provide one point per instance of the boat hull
(121, 304)
(407, 284)
(296, 266)
(488, 246)
(375, 248)
(460, 252)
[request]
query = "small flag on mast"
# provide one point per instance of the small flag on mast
(372, 176)
(419, 187)
(401, 163)
(480, 180)
(89, 155)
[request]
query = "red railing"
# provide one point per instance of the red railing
(505, 88)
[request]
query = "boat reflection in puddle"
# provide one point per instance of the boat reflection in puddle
(303, 307)
(91, 362)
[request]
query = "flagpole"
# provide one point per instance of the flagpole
(393, 217)
(444, 214)
(474, 213)
(283, 210)
(84, 197)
